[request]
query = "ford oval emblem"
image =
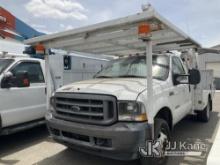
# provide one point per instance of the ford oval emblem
(75, 108)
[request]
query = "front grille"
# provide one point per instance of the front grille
(86, 108)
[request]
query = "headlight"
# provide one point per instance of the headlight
(52, 103)
(49, 114)
(131, 111)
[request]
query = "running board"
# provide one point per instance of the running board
(21, 127)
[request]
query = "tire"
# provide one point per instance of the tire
(160, 127)
(0, 124)
(211, 105)
(204, 115)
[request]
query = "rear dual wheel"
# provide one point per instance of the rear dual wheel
(204, 115)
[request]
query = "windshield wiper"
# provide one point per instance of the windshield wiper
(104, 77)
(135, 76)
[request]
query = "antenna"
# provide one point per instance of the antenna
(146, 7)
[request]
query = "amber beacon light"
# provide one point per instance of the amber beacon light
(144, 30)
(40, 49)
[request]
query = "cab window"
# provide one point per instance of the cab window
(34, 71)
(4, 63)
(136, 67)
(177, 67)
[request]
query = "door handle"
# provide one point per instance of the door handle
(171, 93)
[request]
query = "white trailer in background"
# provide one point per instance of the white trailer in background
(143, 33)
(77, 67)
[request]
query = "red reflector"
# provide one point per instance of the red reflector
(26, 82)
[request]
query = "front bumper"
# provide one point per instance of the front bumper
(120, 141)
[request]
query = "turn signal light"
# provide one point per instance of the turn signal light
(142, 117)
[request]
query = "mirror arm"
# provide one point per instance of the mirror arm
(187, 75)
(183, 83)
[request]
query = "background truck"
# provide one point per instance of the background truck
(133, 100)
(22, 92)
(23, 106)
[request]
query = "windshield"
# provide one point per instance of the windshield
(136, 67)
(4, 63)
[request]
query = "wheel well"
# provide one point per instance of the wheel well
(210, 101)
(165, 113)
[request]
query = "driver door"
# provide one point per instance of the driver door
(20, 105)
(181, 98)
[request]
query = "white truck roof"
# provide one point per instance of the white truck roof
(18, 57)
(12, 55)
(119, 36)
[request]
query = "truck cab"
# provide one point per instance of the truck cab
(109, 116)
(23, 99)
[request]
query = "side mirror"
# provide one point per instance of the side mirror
(7, 80)
(180, 79)
(20, 79)
(194, 76)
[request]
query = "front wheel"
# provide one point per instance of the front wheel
(162, 135)
(204, 115)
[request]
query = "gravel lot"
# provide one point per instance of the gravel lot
(35, 147)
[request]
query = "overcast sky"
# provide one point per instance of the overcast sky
(198, 18)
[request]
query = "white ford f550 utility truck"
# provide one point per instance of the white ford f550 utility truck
(133, 100)
(22, 92)
(109, 113)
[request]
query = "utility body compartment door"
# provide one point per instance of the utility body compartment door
(204, 89)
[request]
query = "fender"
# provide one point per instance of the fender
(159, 103)
(162, 102)
(206, 95)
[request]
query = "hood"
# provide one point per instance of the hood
(122, 88)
